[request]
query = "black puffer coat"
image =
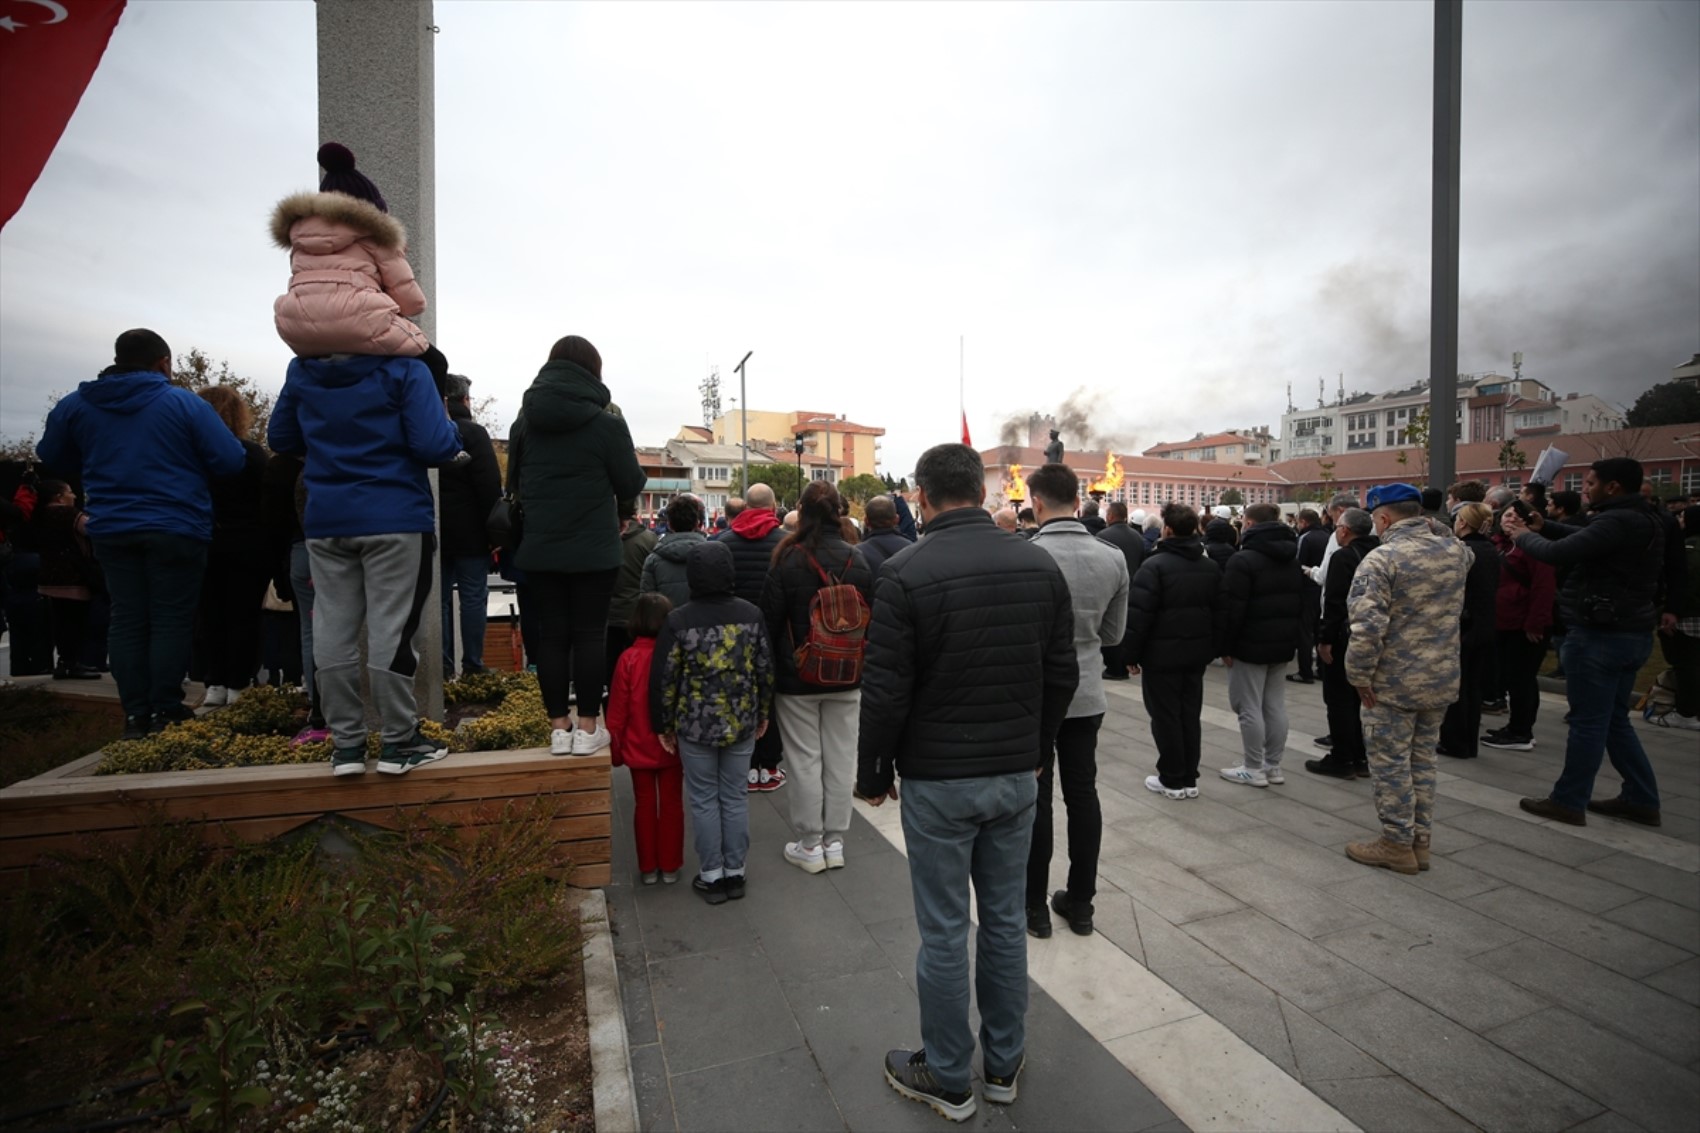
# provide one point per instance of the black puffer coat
(1476, 629)
(1219, 541)
(1263, 596)
(971, 662)
(1129, 542)
(1174, 608)
(880, 545)
(468, 491)
(791, 584)
(751, 558)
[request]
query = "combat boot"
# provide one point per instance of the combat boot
(1384, 855)
(1419, 847)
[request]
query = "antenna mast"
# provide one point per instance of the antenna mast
(710, 395)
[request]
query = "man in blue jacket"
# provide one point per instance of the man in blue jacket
(145, 450)
(369, 428)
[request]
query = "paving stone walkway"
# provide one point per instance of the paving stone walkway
(1539, 977)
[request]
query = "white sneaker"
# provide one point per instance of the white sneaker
(217, 697)
(1251, 777)
(1191, 792)
(1155, 785)
(812, 860)
(560, 742)
(1675, 719)
(1275, 776)
(589, 743)
(834, 855)
(755, 780)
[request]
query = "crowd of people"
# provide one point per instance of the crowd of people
(958, 658)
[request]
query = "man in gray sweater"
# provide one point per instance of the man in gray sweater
(1097, 578)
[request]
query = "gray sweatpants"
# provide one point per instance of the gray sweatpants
(1258, 695)
(820, 731)
(383, 582)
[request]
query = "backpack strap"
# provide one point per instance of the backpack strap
(826, 579)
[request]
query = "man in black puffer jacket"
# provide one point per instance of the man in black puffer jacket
(466, 493)
(882, 539)
(1610, 602)
(970, 669)
(1263, 602)
(1174, 613)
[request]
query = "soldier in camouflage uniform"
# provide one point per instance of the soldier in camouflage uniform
(1405, 603)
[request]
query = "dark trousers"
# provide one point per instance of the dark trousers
(619, 640)
(770, 750)
(1075, 761)
(70, 630)
(154, 578)
(572, 624)
(1519, 666)
(1308, 614)
(1461, 730)
(227, 621)
(1174, 699)
(1345, 724)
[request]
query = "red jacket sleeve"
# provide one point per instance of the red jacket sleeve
(621, 700)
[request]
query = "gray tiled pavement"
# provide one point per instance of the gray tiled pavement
(1536, 978)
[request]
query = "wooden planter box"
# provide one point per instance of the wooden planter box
(57, 813)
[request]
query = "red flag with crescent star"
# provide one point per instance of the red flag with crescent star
(48, 52)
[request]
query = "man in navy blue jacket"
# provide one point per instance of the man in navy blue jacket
(370, 427)
(145, 450)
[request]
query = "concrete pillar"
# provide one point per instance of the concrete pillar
(377, 96)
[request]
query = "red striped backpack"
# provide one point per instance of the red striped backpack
(831, 656)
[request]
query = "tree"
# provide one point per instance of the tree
(784, 479)
(1418, 434)
(18, 451)
(1325, 471)
(1233, 497)
(1671, 403)
(1510, 456)
(900, 484)
(194, 372)
(860, 489)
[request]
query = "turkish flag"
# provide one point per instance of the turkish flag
(48, 52)
(965, 439)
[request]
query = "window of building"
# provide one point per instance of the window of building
(714, 474)
(828, 474)
(1390, 438)
(1573, 482)
(1660, 478)
(1208, 452)
(1515, 483)
(1691, 481)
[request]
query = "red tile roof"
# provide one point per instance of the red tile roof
(1201, 442)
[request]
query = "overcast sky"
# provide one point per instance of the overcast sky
(1177, 209)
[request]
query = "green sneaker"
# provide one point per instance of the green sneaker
(348, 761)
(415, 751)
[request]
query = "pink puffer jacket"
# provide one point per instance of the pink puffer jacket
(350, 284)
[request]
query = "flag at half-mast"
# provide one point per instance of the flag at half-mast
(965, 439)
(48, 52)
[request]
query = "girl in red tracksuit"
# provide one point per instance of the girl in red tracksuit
(658, 778)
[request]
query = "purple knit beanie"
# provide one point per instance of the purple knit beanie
(341, 176)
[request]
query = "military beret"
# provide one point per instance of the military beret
(1392, 494)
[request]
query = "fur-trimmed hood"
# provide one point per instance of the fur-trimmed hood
(381, 228)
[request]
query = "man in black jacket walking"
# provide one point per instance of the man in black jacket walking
(970, 670)
(1131, 544)
(1347, 758)
(1174, 611)
(1264, 599)
(1313, 542)
(1610, 604)
(467, 492)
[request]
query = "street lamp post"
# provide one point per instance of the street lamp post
(744, 418)
(797, 447)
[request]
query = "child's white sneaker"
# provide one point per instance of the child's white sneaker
(560, 742)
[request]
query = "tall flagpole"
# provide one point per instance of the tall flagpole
(961, 402)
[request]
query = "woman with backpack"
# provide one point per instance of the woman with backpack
(817, 604)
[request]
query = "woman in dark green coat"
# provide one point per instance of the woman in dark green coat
(570, 460)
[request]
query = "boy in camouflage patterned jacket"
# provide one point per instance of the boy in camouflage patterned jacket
(1402, 657)
(710, 697)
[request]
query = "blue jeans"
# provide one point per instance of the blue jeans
(471, 575)
(1599, 673)
(154, 578)
(717, 786)
(957, 829)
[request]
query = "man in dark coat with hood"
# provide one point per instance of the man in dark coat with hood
(1131, 543)
(1173, 622)
(1263, 602)
(1347, 758)
(883, 539)
(754, 533)
(1313, 542)
(467, 491)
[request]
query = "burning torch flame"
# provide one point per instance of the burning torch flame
(1112, 477)
(1017, 485)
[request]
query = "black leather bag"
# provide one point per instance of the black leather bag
(506, 524)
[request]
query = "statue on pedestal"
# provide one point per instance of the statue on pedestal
(1054, 450)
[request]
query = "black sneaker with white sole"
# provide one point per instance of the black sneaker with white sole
(348, 761)
(415, 751)
(907, 1072)
(1000, 1088)
(1504, 741)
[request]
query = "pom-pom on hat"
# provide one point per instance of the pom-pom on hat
(337, 160)
(1392, 494)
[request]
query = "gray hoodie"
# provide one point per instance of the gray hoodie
(1097, 585)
